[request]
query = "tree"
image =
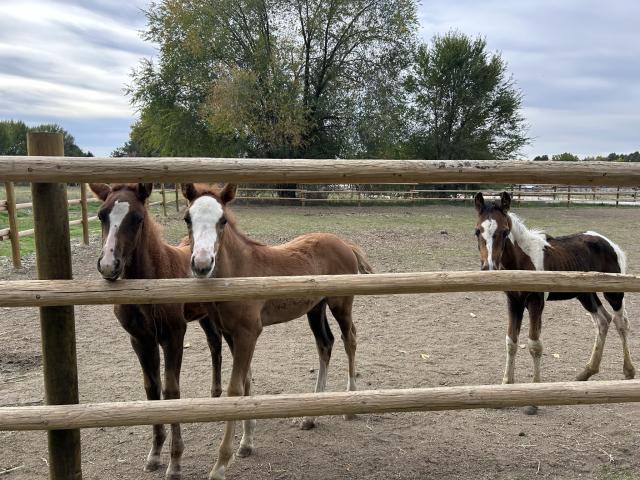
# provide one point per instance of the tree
(269, 78)
(565, 157)
(464, 104)
(13, 138)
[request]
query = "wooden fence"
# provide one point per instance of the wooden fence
(62, 419)
(13, 234)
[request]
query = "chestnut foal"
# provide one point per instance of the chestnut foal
(506, 243)
(220, 250)
(133, 248)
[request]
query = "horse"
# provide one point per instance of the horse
(132, 247)
(221, 250)
(505, 243)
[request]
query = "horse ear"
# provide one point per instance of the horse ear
(479, 200)
(228, 193)
(505, 202)
(144, 190)
(100, 190)
(189, 191)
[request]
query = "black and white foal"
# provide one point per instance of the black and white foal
(506, 243)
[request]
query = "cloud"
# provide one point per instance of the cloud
(68, 61)
(65, 61)
(575, 61)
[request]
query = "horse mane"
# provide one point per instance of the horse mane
(531, 241)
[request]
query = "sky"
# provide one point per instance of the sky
(576, 62)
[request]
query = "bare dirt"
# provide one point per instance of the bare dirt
(403, 341)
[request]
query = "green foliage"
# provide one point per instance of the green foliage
(13, 138)
(565, 157)
(270, 78)
(464, 103)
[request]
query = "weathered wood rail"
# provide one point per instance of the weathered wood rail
(167, 169)
(35, 293)
(118, 414)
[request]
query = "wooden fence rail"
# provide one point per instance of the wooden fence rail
(34, 293)
(118, 414)
(243, 170)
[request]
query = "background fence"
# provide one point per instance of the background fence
(17, 199)
(17, 211)
(63, 419)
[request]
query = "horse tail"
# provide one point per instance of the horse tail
(363, 265)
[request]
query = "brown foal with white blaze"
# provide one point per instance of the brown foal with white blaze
(506, 243)
(220, 250)
(133, 248)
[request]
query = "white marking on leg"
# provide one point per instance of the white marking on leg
(622, 258)
(116, 216)
(246, 443)
(622, 325)
(535, 349)
(321, 385)
(488, 229)
(205, 214)
(509, 371)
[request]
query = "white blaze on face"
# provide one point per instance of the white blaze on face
(205, 214)
(489, 227)
(107, 260)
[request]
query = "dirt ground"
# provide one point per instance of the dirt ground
(403, 341)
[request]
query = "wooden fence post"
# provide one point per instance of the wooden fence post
(164, 199)
(555, 190)
(569, 195)
(85, 215)
(177, 187)
(617, 196)
(57, 324)
(13, 225)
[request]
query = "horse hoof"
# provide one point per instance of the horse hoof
(244, 451)
(584, 375)
(217, 474)
(307, 424)
(630, 374)
(153, 463)
(173, 476)
(350, 417)
(531, 410)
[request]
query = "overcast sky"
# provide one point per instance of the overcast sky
(67, 61)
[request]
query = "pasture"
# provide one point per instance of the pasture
(404, 341)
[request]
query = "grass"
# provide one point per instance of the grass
(610, 473)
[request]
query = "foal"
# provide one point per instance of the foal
(221, 250)
(133, 248)
(505, 243)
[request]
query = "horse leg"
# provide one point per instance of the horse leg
(317, 318)
(173, 350)
(248, 426)
(149, 356)
(535, 305)
(341, 310)
(621, 322)
(244, 343)
(516, 312)
(601, 320)
(214, 341)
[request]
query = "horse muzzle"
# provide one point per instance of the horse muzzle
(111, 269)
(202, 265)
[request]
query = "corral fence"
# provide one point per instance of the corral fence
(12, 207)
(55, 292)
(412, 194)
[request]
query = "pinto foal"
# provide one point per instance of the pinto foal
(506, 243)
(133, 248)
(220, 250)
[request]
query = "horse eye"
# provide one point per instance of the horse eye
(102, 216)
(187, 220)
(223, 221)
(477, 232)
